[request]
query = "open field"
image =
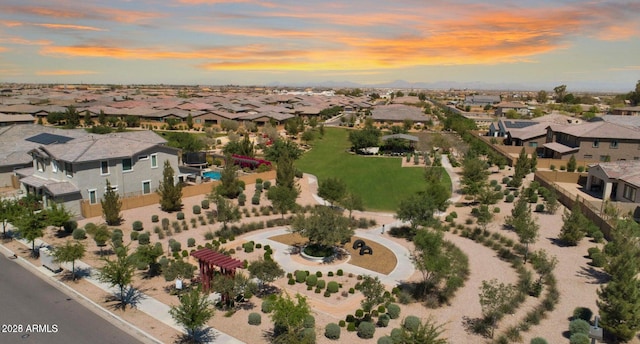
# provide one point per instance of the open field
(380, 181)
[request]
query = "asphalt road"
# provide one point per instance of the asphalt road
(34, 311)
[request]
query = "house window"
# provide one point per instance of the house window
(54, 166)
(614, 144)
(143, 157)
(533, 144)
(588, 156)
(629, 192)
(596, 143)
(605, 158)
(127, 164)
(146, 187)
(154, 160)
(104, 167)
(40, 165)
(198, 120)
(68, 168)
(93, 199)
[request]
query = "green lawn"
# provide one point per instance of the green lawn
(380, 181)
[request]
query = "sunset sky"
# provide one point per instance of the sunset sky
(541, 43)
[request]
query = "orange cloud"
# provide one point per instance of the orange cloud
(8, 23)
(70, 26)
(83, 12)
(64, 72)
(22, 41)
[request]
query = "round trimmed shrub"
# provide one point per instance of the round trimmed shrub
(598, 259)
(318, 273)
(579, 338)
(312, 280)
(309, 336)
(301, 276)
(134, 236)
(327, 293)
(332, 331)
(411, 323)
(396, 335)
(144, 238)
(385, 340)
(321, 284)
(204, 204)
(538, 340)
(266, 185)
(366, 330)
(333, 287)
(291, 281)
(583, 313)
(339, 272)
(509, 198)
(267, 306)
(539, 208)
(155, 218)
(359, 313)
(180, 215)
(137, 226)
(383, 320)
(255, 319)
(196, 209)
(393, 310)
(79, 234)
(242, 199)
(191, 242)
(342, 323)
(579, 326)
(70, 226)
(309, 321)
(351, 327)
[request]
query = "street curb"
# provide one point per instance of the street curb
(127, 326)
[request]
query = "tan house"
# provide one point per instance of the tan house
(617, 181)
(627, 111)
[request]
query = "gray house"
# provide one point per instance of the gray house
(75, 169)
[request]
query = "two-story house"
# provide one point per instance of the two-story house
(597, 141)
(78, 169)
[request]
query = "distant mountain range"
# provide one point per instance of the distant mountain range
(446, 85)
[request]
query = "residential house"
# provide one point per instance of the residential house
(503, 108)
(481, 100)
(616, 180)
(77, 169)
(398, 113)
(627, 111)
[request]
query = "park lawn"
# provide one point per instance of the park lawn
(380, 181)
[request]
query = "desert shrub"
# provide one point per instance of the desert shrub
(366, 330)
(191, 242)
(291, 281)
(155, 218)
(538, 340)
(196, 209)
(255, 319)
(70, 226)
(175, 246)
(598, 259)
(583, 313)
(552, 167)
(248, 246)
(342, 323)
(333, 287)
(533, 198)
(332, 331)
(539, 208)
(321, 284)
(339, 272)
(242, 199)
(312, 280)
(144, 238)
(359, 313)
(180, 215)
(301, 276)
(509, 198)
(411, 323)
(330, 274)
(385, 340)
(267, 306)
(318, 273)
(579, 326)
(580, 169)
(255, 200)
(327, 293)
(309, 321)
(351, 327)
(134, 236)
(165, 224)
(137, 225)
(393, 310)
(383, 320)
(579, 338)
(204, 204)
(79, 234)
(396, 335)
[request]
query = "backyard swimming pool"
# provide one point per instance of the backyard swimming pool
(211, 174)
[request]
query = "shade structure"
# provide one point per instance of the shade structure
(209, 259)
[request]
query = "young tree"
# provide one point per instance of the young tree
(527, 230)
(266, 271)
(288, 316)
(149, 254)
(574, 226)
(69, 252)
(542, 97)
(281, 147)
(286, 172)
(418, 209)
(170, 192)
(88, 121)
(226, 211)
(324, 226)
(332, 190)
(572, 164)
(551, 203)
(229, 186)
(351, 201)
(373, 291)
(543, 264)
(57, 215)
(111, 206)
(30, 226)
(521, 169)
(189, 121)
(619, 299)
(118, 272)
(494, 298)
(100, 235)
(474, 175)
(519, 210)
(282, 198)
(192, 313)
(429, 257)
(9, 210)
(484, 216)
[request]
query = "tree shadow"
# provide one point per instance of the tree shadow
(131, 297)
(594, 275)
(477, 326)
(557, 242)
(60, 233)
(203, 335)
(80, 273)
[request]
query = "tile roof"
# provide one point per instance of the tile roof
(398, 112)
(560, 148)
(628, 171)
(601, 130)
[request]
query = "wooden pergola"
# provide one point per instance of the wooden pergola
(209, 259)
